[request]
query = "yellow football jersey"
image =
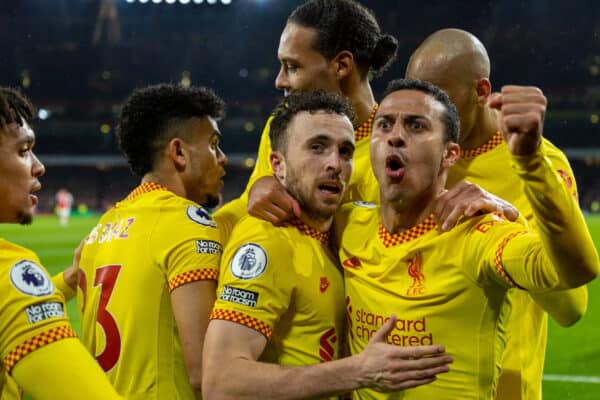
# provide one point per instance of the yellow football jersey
(284, 283)
(445, 288)
(363, 185)
(488, 166)
(9, 390)
(33, 311)
(139, 252)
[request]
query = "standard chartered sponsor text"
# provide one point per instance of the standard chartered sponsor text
(406, 332)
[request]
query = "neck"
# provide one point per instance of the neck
(162, 179)
(362, 100)
(486, 126)
(401, 214)
(399, 219)
(321, 224)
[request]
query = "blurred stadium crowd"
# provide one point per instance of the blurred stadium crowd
(79, 59)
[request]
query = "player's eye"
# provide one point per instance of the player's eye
(24, 150)
(383, 124)
(347, 152)
(416, 126)
(317, 147)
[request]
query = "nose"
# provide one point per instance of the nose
(281, 82)
(221, 157)
(396, 137)
(37, 168)
(334, 162)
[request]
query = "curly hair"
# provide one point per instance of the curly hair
(450, 117)
(14, 107)
(310, 101)
(348, 25)
(150, 114)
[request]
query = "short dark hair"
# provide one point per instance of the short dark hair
(310, 101)
(348, 25)
(450, 117)
(149, 113)
(14, 107)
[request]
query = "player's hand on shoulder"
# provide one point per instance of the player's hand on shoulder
(71, 274)
(467, 199)
(388, 368)
(521, 117)
(268, 200)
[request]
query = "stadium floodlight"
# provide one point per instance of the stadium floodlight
(184, 1)
(226, 2)
(130, 1)
(144, 1)
(43, 114)
(170, 1)
(157, 1)
(198, 1)
(211, 1)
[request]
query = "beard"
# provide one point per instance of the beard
(211, 201)
(293, 186)
(24, 218)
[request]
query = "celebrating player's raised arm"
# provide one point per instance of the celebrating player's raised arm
(560, 222)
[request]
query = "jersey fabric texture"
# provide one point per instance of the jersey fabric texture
(451, 288)
(141, 250)
(446, 289)
(284, 283)
(35, 335)
(486, 166)
(33, 311)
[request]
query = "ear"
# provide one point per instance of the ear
(278, 165)
(484, 89)
(343, 64)
(177, 152)
(451, 155)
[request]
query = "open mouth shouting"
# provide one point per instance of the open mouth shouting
(331, 189)
(394, 166)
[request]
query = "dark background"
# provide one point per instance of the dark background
(78, 61)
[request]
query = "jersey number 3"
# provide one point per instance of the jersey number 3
(106, 277)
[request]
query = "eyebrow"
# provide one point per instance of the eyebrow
(288, 59)
(27, 138)
(384, 116)
(350, 144)
(415, 117)
(405, 117)
(323, 137)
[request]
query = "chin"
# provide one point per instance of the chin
(24, 217)
(326, 210)
(211, 201)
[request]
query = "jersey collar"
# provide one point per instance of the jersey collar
(322, 237)
(489, 145)
(393, 239)
(364, 130)
(145, 187)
